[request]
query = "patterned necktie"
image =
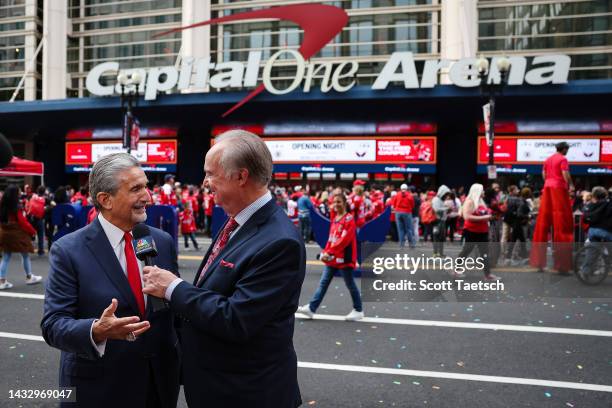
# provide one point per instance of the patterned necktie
(133, 272)
(219, 245)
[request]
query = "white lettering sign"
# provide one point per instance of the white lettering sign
(340, 77)
(538, 150)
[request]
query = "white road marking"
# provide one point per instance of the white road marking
(412, 373)
(457, 376)
(22, 295)
(414, 322)
(21, 336)
(466, 325)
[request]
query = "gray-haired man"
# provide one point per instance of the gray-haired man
(239, 312)
(116, 350)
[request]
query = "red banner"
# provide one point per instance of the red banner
(504, 150)
(149, 152)
(606, 151)
(161, 152)
(406, 150)
(78, 153)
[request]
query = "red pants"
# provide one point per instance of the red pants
(555, 212)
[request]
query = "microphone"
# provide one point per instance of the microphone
(145, 249)
(6, 151)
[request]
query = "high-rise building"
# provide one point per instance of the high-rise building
(407, 107)
(20, 34)
(79, 34)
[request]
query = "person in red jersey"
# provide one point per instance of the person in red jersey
(80, 197)
(403, 203)
(358, 203)
(555, 209)
(339, 254)
(209, 205)
(188, 225)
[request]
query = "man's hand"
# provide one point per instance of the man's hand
(156, 281)
(110, 326)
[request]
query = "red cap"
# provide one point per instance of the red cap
(431, 193)
(359, 183)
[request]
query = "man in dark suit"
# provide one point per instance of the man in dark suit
(116, 350)
(237, 335)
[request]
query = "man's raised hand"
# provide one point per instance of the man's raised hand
(110, 326)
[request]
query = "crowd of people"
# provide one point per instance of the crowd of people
(492, 214)
(484, 214)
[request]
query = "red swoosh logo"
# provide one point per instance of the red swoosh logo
(320, 23)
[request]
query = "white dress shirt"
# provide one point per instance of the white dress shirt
(115, 237)
(241, 218)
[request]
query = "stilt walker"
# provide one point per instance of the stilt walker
(555, 212)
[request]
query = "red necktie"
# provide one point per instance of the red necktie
(219, 245)
(133, 272)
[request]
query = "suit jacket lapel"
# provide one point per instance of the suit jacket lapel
(103, 253)
(244, 234)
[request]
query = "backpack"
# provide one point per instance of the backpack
(427, 213)
(515, 211)
(36, 207)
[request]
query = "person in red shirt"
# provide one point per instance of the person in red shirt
(15, 236)
(188, 225)
(402, 204)
(476, 229)
(36, 211)
(378, 206)
(80, 197)
(555, 209)
(209, 205)
(358, 205)
(339, 254)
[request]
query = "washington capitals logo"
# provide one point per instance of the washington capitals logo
(320, 23)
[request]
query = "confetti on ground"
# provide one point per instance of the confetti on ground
(12, 347)
(579, 366)
(403, 347)
(476, 320)
(312, 402)
(398, 365)
(359, 341)
(374, 327)
(569, 404)
(568, 352)
(435, 387)
(397, 383)
(21, 356)
(374, 361)
(358, 331)
(460, 363)
(416, 383)
(548, 394)
(338, 343)
(392, 338)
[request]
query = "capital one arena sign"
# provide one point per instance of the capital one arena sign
(320, 24)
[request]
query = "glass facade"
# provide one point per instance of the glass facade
(124, 31)
(120, 31)
(374, 31)
(20, 32)
(580, 29)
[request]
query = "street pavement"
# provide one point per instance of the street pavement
(554, 352)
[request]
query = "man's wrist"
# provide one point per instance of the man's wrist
(96, 332)
(170, 288)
